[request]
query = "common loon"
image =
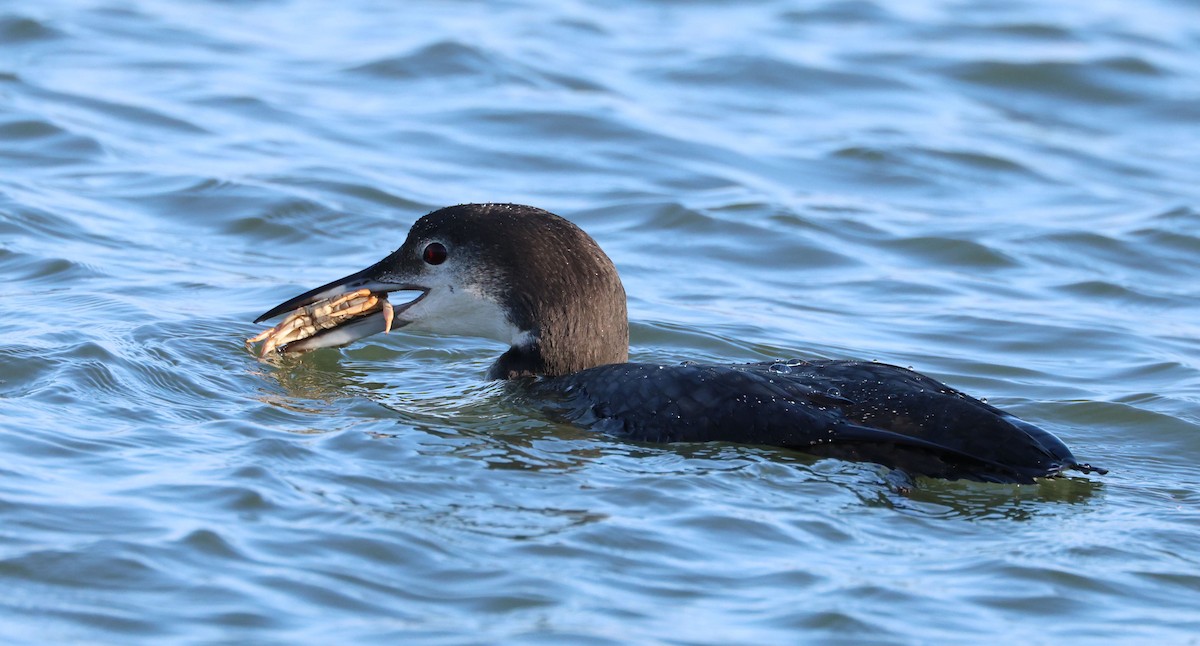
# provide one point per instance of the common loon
(535, 281)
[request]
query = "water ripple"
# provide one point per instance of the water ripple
(1000, 196)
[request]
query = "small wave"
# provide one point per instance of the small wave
(455, 62)
(37, 141)
(1117, 81)
(16, 29)
(773, 75)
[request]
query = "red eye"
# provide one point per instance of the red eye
(435, 253)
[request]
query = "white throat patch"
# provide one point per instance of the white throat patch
(463, 311)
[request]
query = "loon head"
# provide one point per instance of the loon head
(516, 274)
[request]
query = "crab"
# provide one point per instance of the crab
(309, 320)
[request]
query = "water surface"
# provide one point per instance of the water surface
(1001, 196)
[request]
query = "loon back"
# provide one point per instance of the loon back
(846, 409)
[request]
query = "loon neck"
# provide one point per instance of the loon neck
(532, 359)
(555, 285)
(572, 332)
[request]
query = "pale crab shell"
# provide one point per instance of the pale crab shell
(309, 320)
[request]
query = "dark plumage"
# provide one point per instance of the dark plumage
(537, 282)
(846, 409)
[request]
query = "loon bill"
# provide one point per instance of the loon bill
(536, 282)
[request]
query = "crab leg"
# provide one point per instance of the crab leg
(388, 316)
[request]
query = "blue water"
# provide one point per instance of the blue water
(1001, 195)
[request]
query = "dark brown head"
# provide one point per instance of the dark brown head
(517, 274)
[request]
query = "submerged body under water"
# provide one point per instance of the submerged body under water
(1000, 197)
(870, 412)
